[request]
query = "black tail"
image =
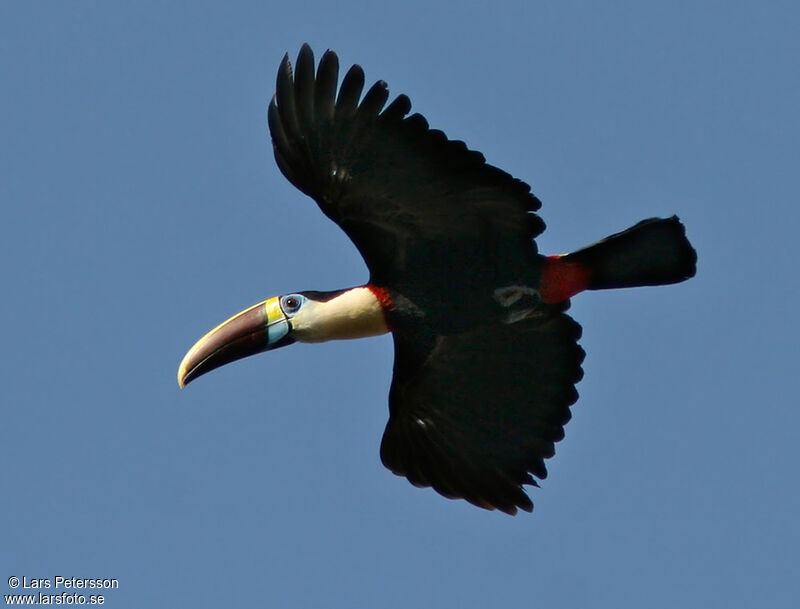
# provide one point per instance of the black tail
(652, 252)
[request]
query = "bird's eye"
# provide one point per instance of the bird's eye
(292, 303)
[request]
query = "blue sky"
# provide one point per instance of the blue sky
(141, 206)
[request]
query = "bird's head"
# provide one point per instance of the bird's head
(279, 321)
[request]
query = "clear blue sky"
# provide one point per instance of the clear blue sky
(141, 205)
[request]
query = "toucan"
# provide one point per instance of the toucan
(485, 357)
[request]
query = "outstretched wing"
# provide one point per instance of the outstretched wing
(473, 415)
(404, 194)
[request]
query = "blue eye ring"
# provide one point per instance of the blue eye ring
(291, 303)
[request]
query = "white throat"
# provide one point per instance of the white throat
(356, 313)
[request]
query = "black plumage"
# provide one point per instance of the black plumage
(476, 404)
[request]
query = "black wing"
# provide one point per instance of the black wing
(404, 194)
(475, 414)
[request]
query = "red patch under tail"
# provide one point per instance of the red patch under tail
(562, 279)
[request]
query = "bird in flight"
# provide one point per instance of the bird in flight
(485, 357)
